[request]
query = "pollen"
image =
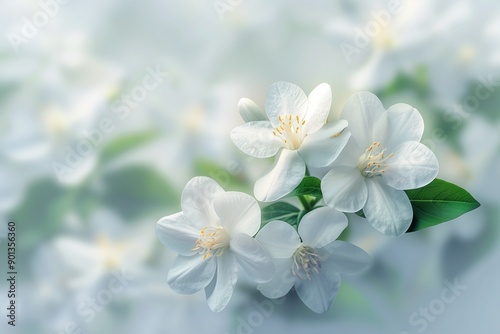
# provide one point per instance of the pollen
(306, 262)
(212, 241)
(374, 161)
(290, 131)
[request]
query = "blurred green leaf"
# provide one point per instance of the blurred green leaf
(439, 202)
(227, 178)
(310, 186)
(136, 191)
(280, 211)
(416, 82)
(42, 212)
(125, 144)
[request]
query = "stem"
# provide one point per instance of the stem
(305, 203)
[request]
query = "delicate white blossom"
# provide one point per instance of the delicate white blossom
(212, 234)
(383, 158)
(311, 260)
(295, 130)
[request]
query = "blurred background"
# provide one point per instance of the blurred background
(108, 108)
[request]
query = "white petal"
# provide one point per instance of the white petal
(350, 154)
(176, 233)
(284, 98)
(285, 176)
(318, 108)
(322, 226)
(399, 124)
(220, 290)
(256, 139)
(323, 147)
(319, 292)
(190, 274)
(77, 254)
(387, 209)
(362, 111)
(197, 201)
(238, 212)
(250, 111)
(279, 239)
(345, 257)
(252, 257)
(344, 189)
(413, 166)
(282, 280)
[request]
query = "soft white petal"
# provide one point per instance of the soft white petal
(77, 254)
(284, 98)
(176, 233)
(344, 189)
(252, 257)
(238, 212)
(319, 292)
(413, 166)
(318, 108)
(279, 239)
(250, 111)
(190, 274)
(256, 139)
(399, 124)
(387, 209)
(221, 288)
(362, 111)
(197, 201)
(323, 147)
(285, 176)
(350, 154)
(282, 281)
(322, 226)
(345, 257)
(377, 72)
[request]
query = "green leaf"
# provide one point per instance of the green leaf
(438, 202)
(125, 144)
(42, 212)
(280, 211)
(229, 177)
(310, 186)
(137, 191)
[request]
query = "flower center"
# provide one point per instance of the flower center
(374, 162)
(466, 54)
(290, 131)
(305, 262)
(56, 121)
(385, 40)
(112, 254)
(212, 241)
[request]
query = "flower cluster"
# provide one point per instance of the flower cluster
(372, 155)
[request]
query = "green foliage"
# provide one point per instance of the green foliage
(439, 202)
(136, 191)
(436, 203)
(280, 211)
(310, 186)
(228, 178)
(42, 212)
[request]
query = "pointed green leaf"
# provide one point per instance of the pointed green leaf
(280, 211)
(439, 202)
(310, 186)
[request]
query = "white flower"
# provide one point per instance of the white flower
(383, 157)
(212, 233)
(296, 127)
(311, 260)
